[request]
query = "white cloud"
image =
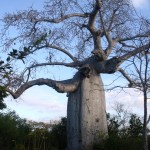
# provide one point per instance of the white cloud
(133, 100)
(39, 104)
(140, 3)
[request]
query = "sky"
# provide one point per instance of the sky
(45, 104)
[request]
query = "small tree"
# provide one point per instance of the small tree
(93, 37)
(135, 126)
(141, 81)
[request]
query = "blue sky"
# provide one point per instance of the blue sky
(43, 103)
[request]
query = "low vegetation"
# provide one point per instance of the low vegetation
(20, 134)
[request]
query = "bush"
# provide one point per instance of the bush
(126, 138)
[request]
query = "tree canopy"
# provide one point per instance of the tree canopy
(72, 33)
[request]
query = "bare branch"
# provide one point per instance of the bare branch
(69, 85)
(92, 16)
(111, 43)
(62, 50)
(108, 66)
(106, 33)
(72, 64)
(58, 20)
(96, 33)
(134, 52)
(126, 76)
(134, 37)
(56, 48)
(126, 45)
(112, 18)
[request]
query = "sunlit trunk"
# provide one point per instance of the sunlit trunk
(86, 114)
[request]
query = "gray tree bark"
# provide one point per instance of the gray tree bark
(86, 114)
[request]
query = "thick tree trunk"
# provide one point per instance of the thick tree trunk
(86, 114)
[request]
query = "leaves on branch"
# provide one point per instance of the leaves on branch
(40, 39)
(26, 50)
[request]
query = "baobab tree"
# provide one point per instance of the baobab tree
(94, 37)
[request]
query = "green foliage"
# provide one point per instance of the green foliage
(13, 131)
(122, 138)
(40, 39)
(135, 126)
(21, 54)
(113, 124)
(120, 143)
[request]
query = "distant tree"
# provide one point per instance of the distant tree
(93, 37)
(135, 126)
(113, 124)
(122, 114)
(48, 136)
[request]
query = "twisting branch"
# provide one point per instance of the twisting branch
(95, 33)
(134, 52)
(72, 64)
(69, 85)
(108, 66)
(93, 14)
(126, 76)
(134, 37)
(62, 50)
(56, 48)
(106, 33)
(126, 45)
(35, 65)
(91, 26)
(62, 18)
(111, 43)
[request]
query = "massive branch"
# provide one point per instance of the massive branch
(69, 85)
(134, 52)
(95, 32)
(131, 82)
(71, 65)
(112, 65)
